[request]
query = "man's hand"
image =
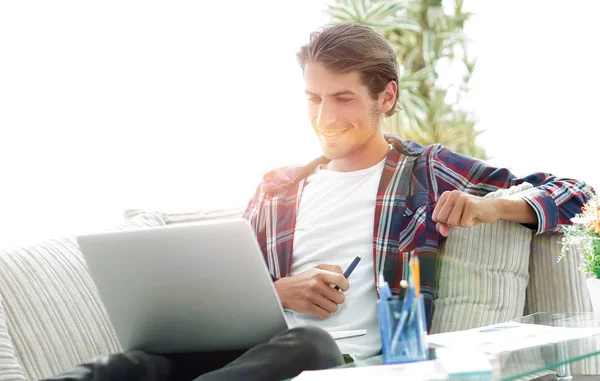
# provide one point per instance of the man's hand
(457, 208)
(311, 293)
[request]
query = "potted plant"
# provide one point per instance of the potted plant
(585, 233)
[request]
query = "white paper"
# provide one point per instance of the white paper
(338, 335)
(511, 336)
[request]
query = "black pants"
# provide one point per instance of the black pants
(285, 356)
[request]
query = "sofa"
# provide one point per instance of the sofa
(51, 316)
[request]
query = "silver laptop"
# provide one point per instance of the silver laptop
(184, 288)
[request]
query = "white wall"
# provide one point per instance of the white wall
(537, 83)
(122, 104)
(183, 105)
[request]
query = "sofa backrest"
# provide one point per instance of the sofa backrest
(559, 287)
(486, 275)
(53, 311)
(10, 369)
(555, 286)
(482, 273)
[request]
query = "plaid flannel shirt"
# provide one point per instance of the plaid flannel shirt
(413, 179)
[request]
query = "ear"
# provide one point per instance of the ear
(388, 96)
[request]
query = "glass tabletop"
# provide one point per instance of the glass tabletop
(556, 357)
(541, 359)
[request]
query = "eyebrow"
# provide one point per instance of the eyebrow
(336, 94)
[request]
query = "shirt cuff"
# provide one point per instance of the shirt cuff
(545, 209)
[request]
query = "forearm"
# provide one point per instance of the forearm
(553, 200)
(517, 210)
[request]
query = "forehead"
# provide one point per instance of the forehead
(319, 79)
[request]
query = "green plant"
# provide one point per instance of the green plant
(585, 233)
(427, 38)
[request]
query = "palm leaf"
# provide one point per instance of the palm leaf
(427, 47)
(406, 24)
(451, 35)
(376, 9)
(364, 6)
(356, 11)
(422, 33)
(341, 13)
(421, 74)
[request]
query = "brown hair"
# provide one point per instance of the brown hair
(350, 47)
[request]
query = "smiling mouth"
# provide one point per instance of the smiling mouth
(332, 134)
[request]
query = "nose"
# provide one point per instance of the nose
(326, 115)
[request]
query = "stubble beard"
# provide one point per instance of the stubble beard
(338, 153)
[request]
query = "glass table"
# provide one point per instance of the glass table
(559, 357)
(563, 358)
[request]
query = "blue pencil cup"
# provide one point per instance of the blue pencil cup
(412, 343)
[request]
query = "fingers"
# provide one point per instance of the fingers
(324, 303)
(444, 206)
(456, 208)
(469, 216)
(321, 286)
(332, 268)
(443, 229)
(324, 300)
(332, 294)
(321, 299)
(448, 211)
(311, 291)
(314, 309)
(336, 279)
(456, 212)
(440, 204)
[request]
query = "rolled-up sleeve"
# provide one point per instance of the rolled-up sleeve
(555, 200)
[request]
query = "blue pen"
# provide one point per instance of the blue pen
(350, 268)
(384, 289)
(385, 318)
(406, 305)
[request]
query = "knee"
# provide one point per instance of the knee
(316, 347)
(120, 366)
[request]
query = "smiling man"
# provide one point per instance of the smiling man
(374, 195)
(370, 194)
(345, 118)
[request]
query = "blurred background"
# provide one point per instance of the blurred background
(183, 106)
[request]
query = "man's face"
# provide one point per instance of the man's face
(343, 115)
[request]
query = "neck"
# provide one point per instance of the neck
(367, 156)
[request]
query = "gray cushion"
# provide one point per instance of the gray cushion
(53, 310)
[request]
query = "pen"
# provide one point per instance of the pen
(406, 307)
(385, 294)
(384, 289)
(350, 268)
(415, 267)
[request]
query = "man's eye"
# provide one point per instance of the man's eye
(314, 100)
(344, 100)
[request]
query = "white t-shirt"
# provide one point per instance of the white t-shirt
(334, 224)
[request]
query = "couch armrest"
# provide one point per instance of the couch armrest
(555, 286)
(482, 273)
(558, 286)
